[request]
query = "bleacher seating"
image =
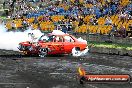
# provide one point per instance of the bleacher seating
(63, 11)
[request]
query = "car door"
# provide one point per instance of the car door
(59, 44)
(68, 44)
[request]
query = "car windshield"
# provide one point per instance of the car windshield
(46, 38)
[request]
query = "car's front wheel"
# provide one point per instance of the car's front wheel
(43, 52)
(75, 51)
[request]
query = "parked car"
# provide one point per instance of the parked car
(49, 44)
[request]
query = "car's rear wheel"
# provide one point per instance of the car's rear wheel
(77, 50)
(43, 52)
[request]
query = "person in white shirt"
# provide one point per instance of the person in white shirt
(108, 21)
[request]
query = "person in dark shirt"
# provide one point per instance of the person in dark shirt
(122, 32)
(64, 29)
(4, 5)
(12, 5)
(113, 32)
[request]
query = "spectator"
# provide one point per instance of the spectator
(122, 32)
(64, 29)
(59, 27)
(12, 5)
(129, 32)
(123, 16)
(93, 21)
(108, 21)
(130, 27)
(113, 31)
(80, 22)
(4, 5)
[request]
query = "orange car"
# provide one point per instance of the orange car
(52, 43)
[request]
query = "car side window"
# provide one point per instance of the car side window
(51, 38)
(58, 39)
(68, 39)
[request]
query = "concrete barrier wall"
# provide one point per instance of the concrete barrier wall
(105, 38)
(110, 51)
(111, 39)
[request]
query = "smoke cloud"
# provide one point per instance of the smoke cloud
(10, 40)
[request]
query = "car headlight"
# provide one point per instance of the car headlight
(20, 47)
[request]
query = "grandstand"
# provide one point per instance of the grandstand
(85, 16)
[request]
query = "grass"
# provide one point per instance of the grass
(110, 45)
(4, 18)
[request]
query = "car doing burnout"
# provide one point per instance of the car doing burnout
(52, 43)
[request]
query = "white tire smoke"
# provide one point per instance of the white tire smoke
(77, 53)
(10, 40)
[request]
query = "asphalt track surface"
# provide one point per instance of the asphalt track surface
(18, 71)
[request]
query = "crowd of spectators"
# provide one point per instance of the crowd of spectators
(73, 11)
